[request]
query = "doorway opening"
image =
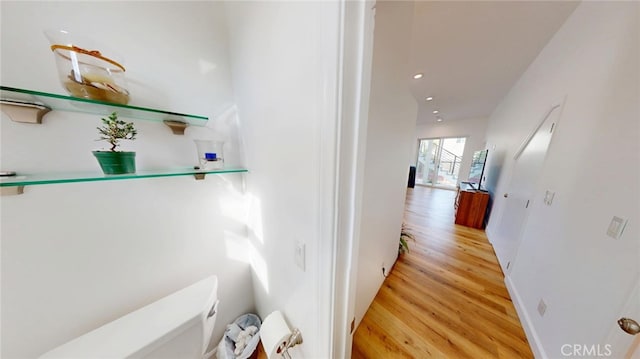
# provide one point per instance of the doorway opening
(438, 162)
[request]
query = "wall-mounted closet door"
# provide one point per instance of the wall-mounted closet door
(521, 192)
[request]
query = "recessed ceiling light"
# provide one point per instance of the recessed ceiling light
(439, 119)
(436, 111)
(418, 76)
(430, 98)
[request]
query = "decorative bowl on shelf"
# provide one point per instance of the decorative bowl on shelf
(85, 72)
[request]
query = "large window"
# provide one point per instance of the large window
(439, 161)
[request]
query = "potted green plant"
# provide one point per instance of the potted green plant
(404, 236)
(115, 162)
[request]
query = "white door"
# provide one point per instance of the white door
(620, 343)
(519, 196)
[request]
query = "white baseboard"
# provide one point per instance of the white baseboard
(499, 254)
(488, 231)
(525, 320)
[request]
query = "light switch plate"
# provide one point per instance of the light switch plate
(616, 227)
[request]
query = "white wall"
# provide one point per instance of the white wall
(592, 165)
(473, 129)
(284, 57)
(389, 145)
(75, 256)
(357, 54)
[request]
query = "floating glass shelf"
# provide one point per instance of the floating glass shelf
(21, 180)
(12, 96)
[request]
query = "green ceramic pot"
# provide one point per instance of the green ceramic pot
(116, 163)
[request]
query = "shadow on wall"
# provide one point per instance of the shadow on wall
(247, 246)
(492, 174)
(256, 239)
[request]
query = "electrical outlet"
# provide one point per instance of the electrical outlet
(542, 307)
(299, 255)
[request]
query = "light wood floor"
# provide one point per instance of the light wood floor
(446, 298)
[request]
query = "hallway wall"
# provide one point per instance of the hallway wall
(566, 257)
(389, 142)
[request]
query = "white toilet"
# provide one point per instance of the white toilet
(176, 326)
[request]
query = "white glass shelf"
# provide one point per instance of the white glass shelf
(15, 184)
(15, 97)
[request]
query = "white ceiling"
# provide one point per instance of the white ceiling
(473, 52)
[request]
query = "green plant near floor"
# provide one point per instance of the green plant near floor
(405, 235)
(114, 130)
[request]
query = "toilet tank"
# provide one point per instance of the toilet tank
(176, 326)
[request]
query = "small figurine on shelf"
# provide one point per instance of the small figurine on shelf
(112, 131)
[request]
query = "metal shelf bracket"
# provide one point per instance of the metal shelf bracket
(25, 112)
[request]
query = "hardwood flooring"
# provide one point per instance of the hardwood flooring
(446, 298)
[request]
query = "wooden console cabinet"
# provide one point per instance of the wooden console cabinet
(471, 206)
